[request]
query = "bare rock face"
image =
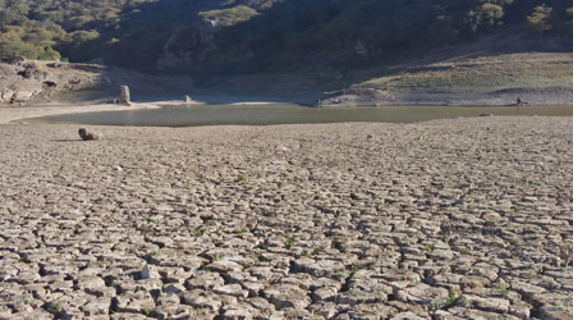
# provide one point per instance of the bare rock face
(125, 96)
(32, 71)
(88, 135)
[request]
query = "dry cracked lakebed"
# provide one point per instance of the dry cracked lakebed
(450, 219)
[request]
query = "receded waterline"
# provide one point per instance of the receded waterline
(203, 115)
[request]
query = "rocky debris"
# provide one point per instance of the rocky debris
(16, 60)
(24, 82)
(521, 103)
(88, 134)
(148, 272)
(451, 219)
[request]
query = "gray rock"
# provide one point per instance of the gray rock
(125, 96)
(88, 134)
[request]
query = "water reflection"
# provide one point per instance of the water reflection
(177, 116)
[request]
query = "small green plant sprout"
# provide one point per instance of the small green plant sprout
(217, 257)
(453, 300)
(56, 307)
(351, 272)
(317, 251)
(566, 306)
(270, 214)
(29, 300)
(240, 231)
(241, 178)
(197, 232)
(209, 222)
(261, 258)
(305, 253)
(429, 247)
(178, 198)
(147, 312)
(25, 298)
(289, 240)
(503, 292)
(93, 263)
(152, 253)
(339, 246)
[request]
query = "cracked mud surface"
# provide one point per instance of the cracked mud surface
(451, 219)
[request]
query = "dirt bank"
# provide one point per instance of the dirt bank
(25, 83)
(464, 78)
(470, 79)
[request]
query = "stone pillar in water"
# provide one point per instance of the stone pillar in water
(125, 96)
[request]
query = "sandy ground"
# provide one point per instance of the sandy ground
(451, 219)
(9, 114)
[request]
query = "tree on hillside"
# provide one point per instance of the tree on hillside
(484, 15)
(133, 33)
(47, 53)
(540, 18)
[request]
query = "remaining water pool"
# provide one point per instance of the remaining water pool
(181, 116)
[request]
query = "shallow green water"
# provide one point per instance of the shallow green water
(179, 116)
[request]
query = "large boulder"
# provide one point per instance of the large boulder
(88, 135)
(125, 96)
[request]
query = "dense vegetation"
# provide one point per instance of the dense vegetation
(133, 33)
